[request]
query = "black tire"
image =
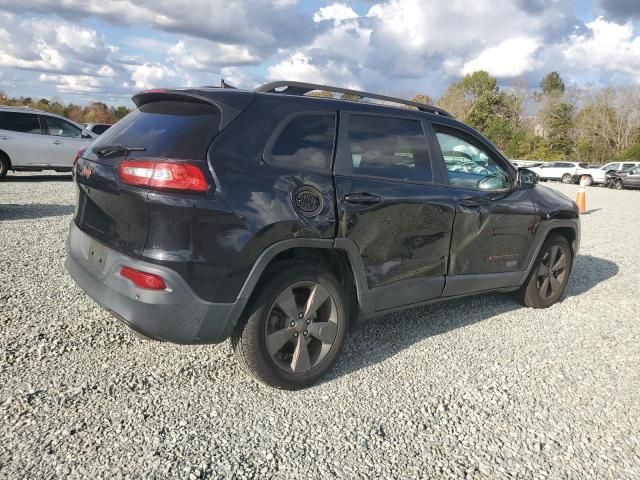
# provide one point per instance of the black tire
(567, 178)
(618, 185)
(4, 166)
(249, 340)
(530, 294)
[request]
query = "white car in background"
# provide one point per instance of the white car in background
(597, 176)
(33, 140)
(563, 171)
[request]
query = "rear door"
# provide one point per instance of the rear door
(21, 137)
(65, 140)
(493, 228)
(391, 208)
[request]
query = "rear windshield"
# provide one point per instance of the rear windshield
(166, 129)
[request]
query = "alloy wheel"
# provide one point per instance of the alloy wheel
(551, 272)
(301, 327)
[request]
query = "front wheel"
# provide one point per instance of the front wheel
(4, 166)
(294, 327)
(567, 178)
(618, 185)
(550, 273)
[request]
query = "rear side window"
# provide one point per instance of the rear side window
(100, 129)
(166, 129)
(20, 122)
(388, 147)
(306, 141)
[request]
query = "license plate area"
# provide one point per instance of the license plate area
(97, 255)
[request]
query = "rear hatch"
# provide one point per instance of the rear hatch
(168, 127)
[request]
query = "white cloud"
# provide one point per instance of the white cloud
(72, 83)
(510, 58)
(150, 75)
(200, 54)
(608, 46)
(336, 12)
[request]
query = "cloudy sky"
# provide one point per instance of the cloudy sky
(85, 50)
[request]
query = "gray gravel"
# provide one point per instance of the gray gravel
(477, 388)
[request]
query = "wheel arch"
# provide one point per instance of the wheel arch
(341, 257)
(568, 229)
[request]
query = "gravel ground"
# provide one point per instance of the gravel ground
(476, 388)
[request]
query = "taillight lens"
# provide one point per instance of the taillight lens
(148, 281)
(163, 175)
(79, 153)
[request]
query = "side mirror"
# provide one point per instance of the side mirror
(527, 178)
(85, 134)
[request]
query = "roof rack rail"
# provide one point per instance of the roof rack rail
(301, 88)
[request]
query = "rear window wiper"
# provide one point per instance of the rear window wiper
(118, 148)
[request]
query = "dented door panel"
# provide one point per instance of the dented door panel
(495, 236)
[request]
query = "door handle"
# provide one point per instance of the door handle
(469, 202)
(56, 142)
(362, 198)
(4, 137)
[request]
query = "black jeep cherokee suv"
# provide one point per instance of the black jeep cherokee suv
(276, 218)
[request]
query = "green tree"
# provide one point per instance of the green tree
(478, 83)
(351, 97)
(558, 119)
(552, 84)
(423, 99)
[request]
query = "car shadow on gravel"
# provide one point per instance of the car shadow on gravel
(30, 211)
(375, 340)
(36, 178)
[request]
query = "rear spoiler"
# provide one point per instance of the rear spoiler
(230, 102)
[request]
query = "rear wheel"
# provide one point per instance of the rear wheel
(567, 178)
(294, 327)
(549, 275)
(588, 180)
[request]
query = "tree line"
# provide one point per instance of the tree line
(593, 125)
(96, 112)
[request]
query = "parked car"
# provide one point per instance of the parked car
(563, 171)
(97, 128)
(33, 140)
(277, 218)
(597, 175)
(620, 180)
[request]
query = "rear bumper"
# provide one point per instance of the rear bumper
(175, 315)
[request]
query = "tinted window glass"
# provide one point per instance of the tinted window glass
(627, 166)
(19, 122)
(100, 129)
(169, 129)
(469, 166)
(307, 141)
(388, 147)
(62, 128)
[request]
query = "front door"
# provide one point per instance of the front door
(390, 207)
(633, 178)
(494, 225)
(65, 140)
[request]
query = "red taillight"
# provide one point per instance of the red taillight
(163, 175)
(145, 280)
(79, 153)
